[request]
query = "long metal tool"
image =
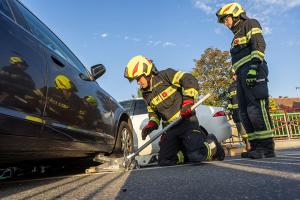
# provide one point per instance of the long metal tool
(128, 159)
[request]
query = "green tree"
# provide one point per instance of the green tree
(272, 104)
(212, 71)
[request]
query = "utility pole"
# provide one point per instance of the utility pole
(297, 89)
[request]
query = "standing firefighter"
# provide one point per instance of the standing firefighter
(233, 107)
(247, 52)
(169, 94)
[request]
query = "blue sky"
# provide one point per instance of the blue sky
(170, 32)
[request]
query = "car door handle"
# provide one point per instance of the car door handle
(57, 61)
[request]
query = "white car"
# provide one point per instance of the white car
(211, 120)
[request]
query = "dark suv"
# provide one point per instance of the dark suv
(50, 106)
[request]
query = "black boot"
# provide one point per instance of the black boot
(264, 149)
(261, 153)
(253, 145)
(219, 151)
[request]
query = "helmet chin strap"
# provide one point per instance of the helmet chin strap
(236, 21)
(149, 80)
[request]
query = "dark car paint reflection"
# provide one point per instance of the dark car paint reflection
(16, 86)
(50, 107)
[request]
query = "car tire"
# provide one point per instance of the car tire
(124, 145)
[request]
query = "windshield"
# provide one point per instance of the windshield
(128, 106)
(135, 107)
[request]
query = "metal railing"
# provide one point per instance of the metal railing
(286, 123)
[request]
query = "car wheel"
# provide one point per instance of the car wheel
(125, 140)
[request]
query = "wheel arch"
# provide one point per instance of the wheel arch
(123, 116)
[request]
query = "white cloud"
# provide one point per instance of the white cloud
(263, 10)
(166, 44)
(203, 6)
(160, 43)
(285, 4)
(157, 43)
(150, 42)
(136, 39)
(267, 30)
(104, 35)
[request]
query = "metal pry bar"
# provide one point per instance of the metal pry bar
(128, 159)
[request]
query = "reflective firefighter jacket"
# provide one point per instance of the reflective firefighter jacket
(166, 93)
(248, 43)
(233, 101)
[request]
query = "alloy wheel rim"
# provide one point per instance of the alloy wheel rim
(125, 142)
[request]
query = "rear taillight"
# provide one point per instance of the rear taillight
(219, 114)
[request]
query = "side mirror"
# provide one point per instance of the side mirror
(97, 71)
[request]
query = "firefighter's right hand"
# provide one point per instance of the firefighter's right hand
(186, 109)
(151, 126)
(251, 77)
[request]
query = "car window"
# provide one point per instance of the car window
(140, 107)
(43, 33)
(5, 9)
(128, 106)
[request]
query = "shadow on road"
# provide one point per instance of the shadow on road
(234, 178)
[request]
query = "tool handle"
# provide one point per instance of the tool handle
(165, 129)
(200, 101)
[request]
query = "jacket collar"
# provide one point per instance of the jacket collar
(237, 26)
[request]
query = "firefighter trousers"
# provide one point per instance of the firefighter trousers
(254, 104)
(185, 139)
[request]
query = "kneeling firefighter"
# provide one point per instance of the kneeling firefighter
(169, 94)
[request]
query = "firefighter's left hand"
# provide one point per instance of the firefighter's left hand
(186, 108)
(151, 126)
(251, 77)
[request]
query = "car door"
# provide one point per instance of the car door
(139, 121)
(75, 107)
(22, 72)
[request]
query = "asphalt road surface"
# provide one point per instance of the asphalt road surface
(234, 178)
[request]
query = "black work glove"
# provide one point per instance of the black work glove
(151, 126)
(251, 78)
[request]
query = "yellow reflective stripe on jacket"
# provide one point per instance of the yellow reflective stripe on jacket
(149, 109)
(246, 39)
(163, 96)
(260, 135)
(174, 117)
(156, 120)
(257, 54)
(254, 54)
(191, 92)
(239, 41)
(235, 106)
(233, 93)
(35, 119)
(253, 31)
(177, 78)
